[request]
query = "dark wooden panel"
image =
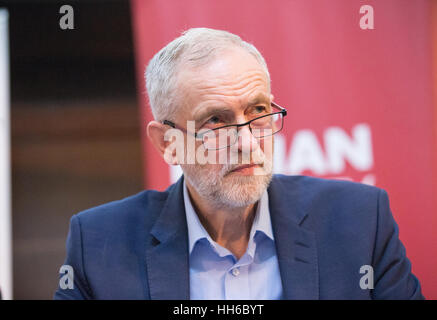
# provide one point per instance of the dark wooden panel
(75, 130)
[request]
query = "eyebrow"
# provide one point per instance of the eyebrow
(203, 113)
(259, 98)
(215, 109)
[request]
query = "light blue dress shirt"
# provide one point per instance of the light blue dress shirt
(215, 273)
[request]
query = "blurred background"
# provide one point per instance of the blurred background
(359, 84)
(75, 139)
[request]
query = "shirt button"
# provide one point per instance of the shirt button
(235, 271)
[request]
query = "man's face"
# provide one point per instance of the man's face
(232, 88)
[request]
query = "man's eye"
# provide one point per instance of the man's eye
(213, 120)
(260, 109)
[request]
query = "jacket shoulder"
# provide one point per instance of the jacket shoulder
(142, 207)
(333, 203)
(321, 184)
(327, 191)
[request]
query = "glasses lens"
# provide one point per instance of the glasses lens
(219, 139)
(267, 126)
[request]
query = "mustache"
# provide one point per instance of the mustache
(259, 158)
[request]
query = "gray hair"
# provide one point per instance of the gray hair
(196, 46)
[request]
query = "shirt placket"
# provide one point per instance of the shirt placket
(237, 286)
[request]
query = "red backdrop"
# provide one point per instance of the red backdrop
(359, 100)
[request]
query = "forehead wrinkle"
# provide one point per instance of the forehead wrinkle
(251, 95)
(227, 99)
(240, 94)
(199, 90)
(222, 93)
(233, 84)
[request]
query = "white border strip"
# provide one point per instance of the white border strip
(5, 167)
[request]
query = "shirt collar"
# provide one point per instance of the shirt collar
(196, 231)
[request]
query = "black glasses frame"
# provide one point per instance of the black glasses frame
(199, 135)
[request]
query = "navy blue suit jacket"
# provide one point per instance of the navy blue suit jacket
(325, 231)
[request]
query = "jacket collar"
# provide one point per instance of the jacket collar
(167, 254)
(295, 245)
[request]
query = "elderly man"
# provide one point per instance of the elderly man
(229, 229)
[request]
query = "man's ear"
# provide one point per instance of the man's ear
(156, 133)
(272, 97)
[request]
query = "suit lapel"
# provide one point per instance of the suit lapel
(167, 255)
(295, 245)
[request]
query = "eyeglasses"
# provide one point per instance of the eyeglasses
(227, 135)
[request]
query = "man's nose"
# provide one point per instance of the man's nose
(247, 143)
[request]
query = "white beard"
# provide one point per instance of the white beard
(228, 190)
